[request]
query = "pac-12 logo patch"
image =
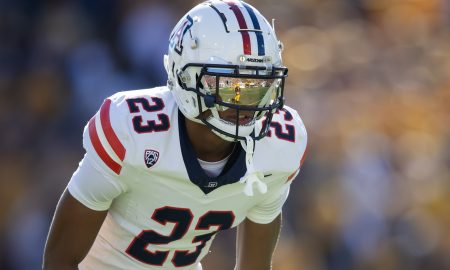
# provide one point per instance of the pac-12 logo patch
(150, 157)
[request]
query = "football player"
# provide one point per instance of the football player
(167, 168)
(237, 94)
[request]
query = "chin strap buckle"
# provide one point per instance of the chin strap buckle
(209, 100)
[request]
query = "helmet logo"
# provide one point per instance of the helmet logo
(176, 39)
(264, 59)
(151, 157)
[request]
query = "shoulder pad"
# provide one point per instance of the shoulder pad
(105, 136)
(114, 130)
(285, 142)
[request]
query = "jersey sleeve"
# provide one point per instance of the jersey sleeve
(98, 179)
(91, 187)
(267, 210)
(271, 205)
(101, 139)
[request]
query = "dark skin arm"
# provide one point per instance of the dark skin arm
(256, 244)
(73, 230)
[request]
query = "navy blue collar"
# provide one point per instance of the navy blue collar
(233, 171)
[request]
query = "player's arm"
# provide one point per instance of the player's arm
(258, 234)
(83, 205)
(73, 230)
(79, 215)
(256, 244)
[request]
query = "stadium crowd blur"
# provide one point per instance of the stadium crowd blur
(370, 78)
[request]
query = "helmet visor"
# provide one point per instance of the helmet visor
(244, 92)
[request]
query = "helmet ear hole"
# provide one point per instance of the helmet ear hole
(184, 76)
(179, 81)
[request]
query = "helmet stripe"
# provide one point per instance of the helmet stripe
(259, 35)
(242, 25)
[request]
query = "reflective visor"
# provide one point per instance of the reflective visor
(251, 92)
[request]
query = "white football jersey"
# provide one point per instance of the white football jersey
(163, 209)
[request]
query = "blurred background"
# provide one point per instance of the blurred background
(370, 78)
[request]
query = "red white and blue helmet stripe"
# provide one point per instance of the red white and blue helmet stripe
(256, 26)
(246, 41)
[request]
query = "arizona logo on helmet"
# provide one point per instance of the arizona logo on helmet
(177, 37)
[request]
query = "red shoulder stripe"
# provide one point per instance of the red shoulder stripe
(304, 156)
(291, 176)
(110, 135)
(301, 164)
(114, 166)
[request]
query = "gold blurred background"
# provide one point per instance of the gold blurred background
(370, 78)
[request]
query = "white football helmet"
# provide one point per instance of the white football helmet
(225, 70)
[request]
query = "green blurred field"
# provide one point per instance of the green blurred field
(249, 96)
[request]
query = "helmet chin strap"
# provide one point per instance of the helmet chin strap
(251, 176)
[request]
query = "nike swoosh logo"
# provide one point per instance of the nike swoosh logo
(267, 175)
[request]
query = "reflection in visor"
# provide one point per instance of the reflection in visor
(241, 91)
